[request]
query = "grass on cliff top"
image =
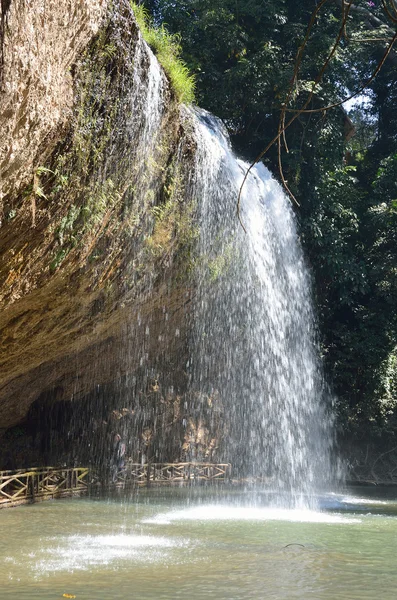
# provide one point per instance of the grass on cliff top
(167, 49)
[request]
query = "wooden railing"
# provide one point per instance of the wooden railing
(33, 485)
(172, 473)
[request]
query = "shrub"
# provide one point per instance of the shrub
(167, 48)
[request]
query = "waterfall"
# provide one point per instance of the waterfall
(253, 335)
(254, 341)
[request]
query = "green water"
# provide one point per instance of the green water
(164, 544)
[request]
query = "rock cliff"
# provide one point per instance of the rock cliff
(97, 216)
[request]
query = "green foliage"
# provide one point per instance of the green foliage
(221, 263)
(387, 387)
(58, 258)
(242, 55)
(174, 232)
(79, 221)
(167, 49)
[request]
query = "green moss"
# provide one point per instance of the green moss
(76, 182)
(82, 221)
(167, 49)
(220, 264)
(175, 232)
(99, 193)
(58, 258)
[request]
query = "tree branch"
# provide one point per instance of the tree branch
(374, 22)
(388, 13)
(364, 12)
(356, 93)
(346, 7)
(282, 126)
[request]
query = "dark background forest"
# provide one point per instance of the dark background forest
(252, 68)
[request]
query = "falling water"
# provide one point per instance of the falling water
(147, 99)
(254, 333)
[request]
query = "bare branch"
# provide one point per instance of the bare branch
(357, 92)
(388, 13)
(346, 8)
(298, 61)
(282, 125)
(364, 12)
(354, 40)
(374, 22)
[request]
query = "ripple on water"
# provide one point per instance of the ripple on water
(366, 501)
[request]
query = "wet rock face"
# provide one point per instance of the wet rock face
(96, 228)
(41, 41)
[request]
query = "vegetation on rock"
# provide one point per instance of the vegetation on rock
(168, 51)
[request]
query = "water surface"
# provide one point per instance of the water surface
(167, 544)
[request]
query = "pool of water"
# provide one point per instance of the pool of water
(198, 544)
